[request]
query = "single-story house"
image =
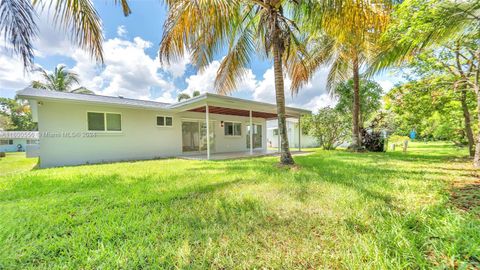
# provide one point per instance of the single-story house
(295, 135)
(17, 141)
(80, 128)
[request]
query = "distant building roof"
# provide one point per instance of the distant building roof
(47, 94)
(34, 135)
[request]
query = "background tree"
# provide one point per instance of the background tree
(328, 126)
(185, 96)
(421, 24)
(247, 27)
(370, 94)
(61, 80)
(431, 108)
(344, 37)
(453, 63)
(18, 114)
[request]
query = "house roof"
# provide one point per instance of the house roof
(31, 93)
(192, 104)
(34, 135)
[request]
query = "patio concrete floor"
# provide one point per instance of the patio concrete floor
(238, 155)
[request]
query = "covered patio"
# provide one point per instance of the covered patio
(212, 104)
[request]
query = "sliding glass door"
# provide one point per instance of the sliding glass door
(194, 136)
(257, 136)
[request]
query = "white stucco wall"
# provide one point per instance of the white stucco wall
(140, 137)
(292, 133)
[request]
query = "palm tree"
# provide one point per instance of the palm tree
(19, 29)
(247, 27)
(61, 80)
(344, 37)
(185, 96)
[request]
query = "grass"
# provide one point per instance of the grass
(338, 210)
(16, 162)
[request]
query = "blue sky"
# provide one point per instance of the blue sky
(132, 69)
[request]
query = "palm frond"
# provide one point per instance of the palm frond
(125, 7)
(233, 67)
(17, 23)
(80, 18)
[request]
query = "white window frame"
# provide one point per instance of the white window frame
(105, 122)
(164, 121)
(233, 122)
(8, 141)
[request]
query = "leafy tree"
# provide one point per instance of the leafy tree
(18, 114)
(423, 24)
(328, 126)
(430, 107)
(346, 41)
(19, 28)
(244, 26)
(61, 80)
(185, 96)
(370, 93)
(455, 63)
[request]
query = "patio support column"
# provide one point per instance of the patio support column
(208, 130)
(251, 133)
(299, 134)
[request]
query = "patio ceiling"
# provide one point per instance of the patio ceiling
(238, 112)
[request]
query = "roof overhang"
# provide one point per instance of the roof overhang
(234, 106)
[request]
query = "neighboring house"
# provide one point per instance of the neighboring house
(80, 129)
(293, 133)
(17, 141)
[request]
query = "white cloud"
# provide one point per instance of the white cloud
(12, 74)
(205, 81)
(122, 31)
(312, 97)
(176, 68)
(128, 70)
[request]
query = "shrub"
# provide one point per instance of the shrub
(329, 127)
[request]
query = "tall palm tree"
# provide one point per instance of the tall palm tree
(344, 37)
(61, 80)
(248, 27)
(19, 29)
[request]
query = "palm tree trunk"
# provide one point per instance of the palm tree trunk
(285, 156)
(468, 125)
(356, 143)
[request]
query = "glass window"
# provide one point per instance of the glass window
(96, 121)
(160, 121)
(228, 127)
(232, 129)
(114, 122)
(168, 121)
(164, 121)
(237, 129)
(104, 121)
(275, 132)
(6, 142)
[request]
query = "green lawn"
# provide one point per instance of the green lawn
(337, 210)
